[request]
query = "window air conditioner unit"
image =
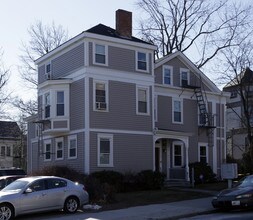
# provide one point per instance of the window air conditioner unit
(101, 105)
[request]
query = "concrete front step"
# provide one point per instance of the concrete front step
(171, 183)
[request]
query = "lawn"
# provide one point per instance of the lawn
(167, 195)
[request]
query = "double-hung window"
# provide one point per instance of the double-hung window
(100, 55)
(59, 148)
(101, 96)
(72, 147)
(60, 103)
(167, 75)
(105, 150)
(177, 154)
(47, 150)
(47, 105)
(203, 153)
(185, 77)
(142, 100)
(177, 111)
(142, 61)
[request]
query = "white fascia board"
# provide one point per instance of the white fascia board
(54, 82)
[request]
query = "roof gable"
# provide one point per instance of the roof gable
(9, 129)
(189, 65)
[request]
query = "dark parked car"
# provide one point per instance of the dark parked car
(41, 193)
(11, 172)
(6, 180)
(240, 196)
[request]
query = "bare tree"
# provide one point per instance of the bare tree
(203, 27)
(237, 63)
(4, 77)
(43, 39)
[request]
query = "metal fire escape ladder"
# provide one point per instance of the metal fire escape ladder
(206, 119)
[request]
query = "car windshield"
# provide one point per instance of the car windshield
(17, 185)
(247, 181)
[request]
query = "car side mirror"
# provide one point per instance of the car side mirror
(28, 190)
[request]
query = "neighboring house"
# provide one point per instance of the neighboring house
(237, 141)
(10, 136)
(105, 105)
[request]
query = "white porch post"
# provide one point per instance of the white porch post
(187, 159)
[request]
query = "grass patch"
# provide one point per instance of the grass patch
(139, 198)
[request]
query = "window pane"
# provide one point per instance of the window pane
(60, 97)
(202, 151)
(177, 106)
(104, 158)
(100, 49)
(142, 95)
(104, 146)
(177, 149)
(72, 148)
(100, 54)
(60, 109)
(177, 161)
(142, 61)
(167, 76)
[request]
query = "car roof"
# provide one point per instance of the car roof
(32, 178)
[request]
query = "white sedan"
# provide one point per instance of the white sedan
(41, 193)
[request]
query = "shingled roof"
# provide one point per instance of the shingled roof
(9, 130)
(110, 32)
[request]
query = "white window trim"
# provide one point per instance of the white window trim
(72, 137)
(45, 143)
(206, 146)
(137, 100)
(182, 153)
(57, 140)
(110, 137)
(171, 74)
(182, 111)
(106, 95)
(53, 101)
(94, 54)
(136, 62)
(188, 75)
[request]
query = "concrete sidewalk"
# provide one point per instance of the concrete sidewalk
(150, 212)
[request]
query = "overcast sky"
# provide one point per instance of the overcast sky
(74, 15)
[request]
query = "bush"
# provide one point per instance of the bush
(150, 180)
(110, 177)
(204, 170)
(103, 185)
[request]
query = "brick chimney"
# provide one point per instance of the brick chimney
(124, 23)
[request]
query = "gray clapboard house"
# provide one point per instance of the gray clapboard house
(104, 104)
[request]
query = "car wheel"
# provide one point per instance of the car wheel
(71, 205)
(6, 212)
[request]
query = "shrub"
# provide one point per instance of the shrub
(150, 180)
(103, 185)
(110, 177)
(204, 170)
